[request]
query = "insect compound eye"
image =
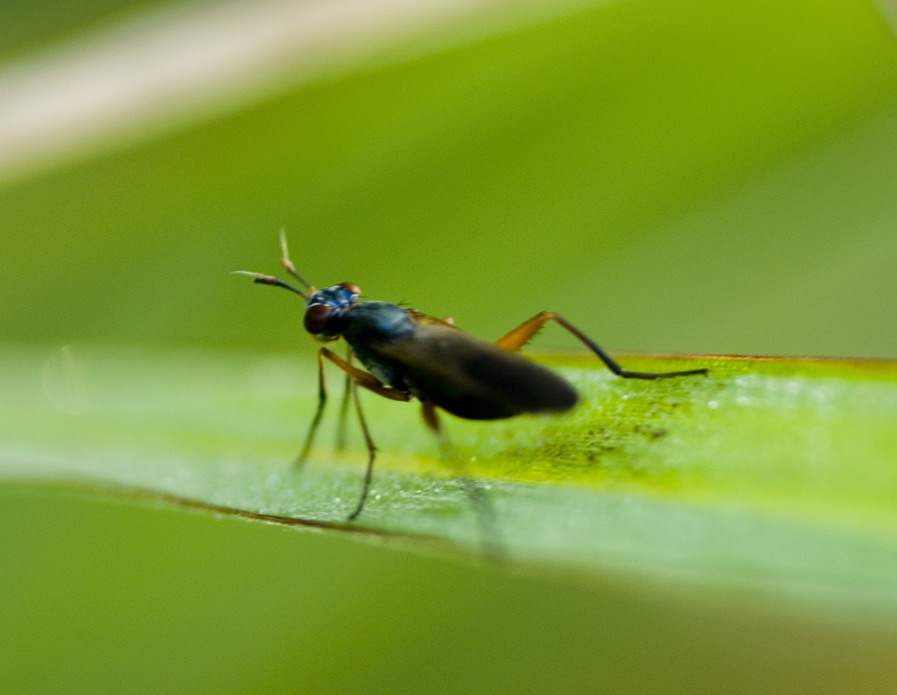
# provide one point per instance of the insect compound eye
(316, 318)
(352, 287)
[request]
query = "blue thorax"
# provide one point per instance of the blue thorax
(335, 311)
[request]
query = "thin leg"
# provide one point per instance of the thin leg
(316, 420)
(365, 380)
(372, 452)
(431, 419)
(526, 330)
(341, 429)
(356, 376)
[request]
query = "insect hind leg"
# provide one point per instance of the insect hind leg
(523, 333)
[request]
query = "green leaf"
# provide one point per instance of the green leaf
(769, 478)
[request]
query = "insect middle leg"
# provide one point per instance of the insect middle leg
(342, 438)
(372, 453)
(526, 330)
(354, 375)
(358, 377)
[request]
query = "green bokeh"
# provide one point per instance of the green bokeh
(160, 601)
(29, 26)
(673, 176)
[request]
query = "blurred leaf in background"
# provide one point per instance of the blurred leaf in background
(683, 176)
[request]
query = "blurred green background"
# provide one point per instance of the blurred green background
(672, 176)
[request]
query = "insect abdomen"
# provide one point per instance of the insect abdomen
(505, 386)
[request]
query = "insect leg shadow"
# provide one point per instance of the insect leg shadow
(482, 504)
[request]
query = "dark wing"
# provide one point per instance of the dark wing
(472, 378)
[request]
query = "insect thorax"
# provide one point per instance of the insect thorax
(370, 325)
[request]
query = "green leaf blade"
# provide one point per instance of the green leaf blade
(770, 478)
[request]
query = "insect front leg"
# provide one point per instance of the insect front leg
(526, 330)
(354, 375)
(341, 431)
(316, 420)
(357, 377)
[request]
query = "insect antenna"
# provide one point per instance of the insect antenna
(288, 264)
(270, 280)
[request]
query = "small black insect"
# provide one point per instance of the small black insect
(411, 355)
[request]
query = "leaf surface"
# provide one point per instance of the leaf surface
(770, 478)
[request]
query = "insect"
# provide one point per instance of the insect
(409, 355)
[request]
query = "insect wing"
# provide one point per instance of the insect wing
(472, 378)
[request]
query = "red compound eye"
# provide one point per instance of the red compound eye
(316, 318)
(352, 287)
